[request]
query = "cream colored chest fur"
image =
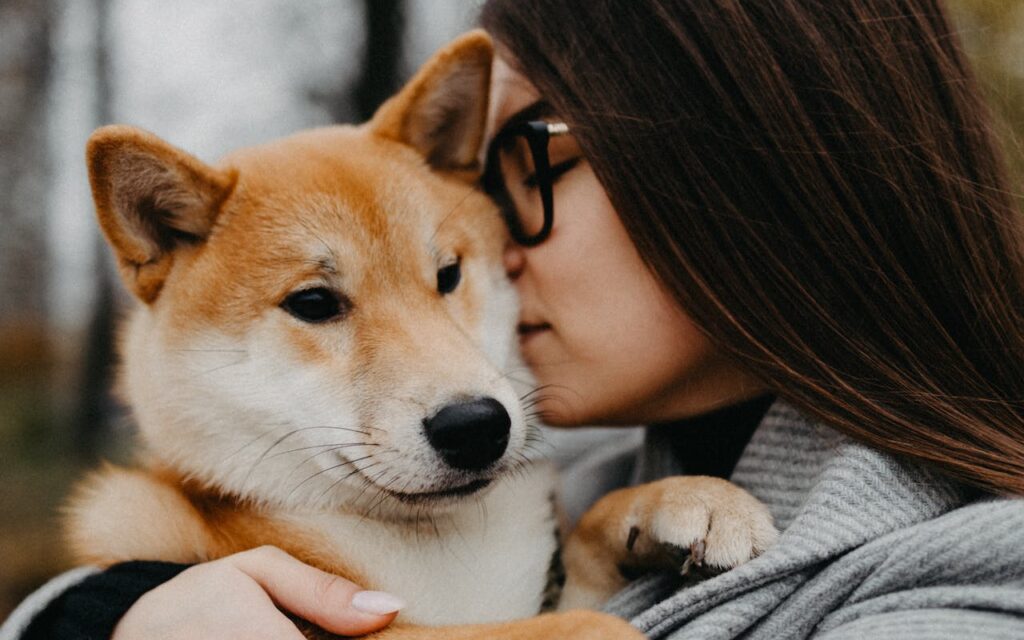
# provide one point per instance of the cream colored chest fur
(490, 562)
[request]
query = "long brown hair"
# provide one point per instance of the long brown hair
(817, 185)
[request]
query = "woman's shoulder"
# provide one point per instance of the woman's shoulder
(987, 533)
(966, 562)
(978, 545)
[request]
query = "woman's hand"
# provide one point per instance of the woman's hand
(243, 595)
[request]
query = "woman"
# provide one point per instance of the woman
(796, 204)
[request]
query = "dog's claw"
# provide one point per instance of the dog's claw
(695, 559)
(634, 533)
(697, 552)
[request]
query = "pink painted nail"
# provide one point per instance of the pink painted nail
(376, 602)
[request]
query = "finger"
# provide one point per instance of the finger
(326, 600)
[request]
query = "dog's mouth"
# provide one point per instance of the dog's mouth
(459, 491)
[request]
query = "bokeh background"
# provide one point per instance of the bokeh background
(207, 75)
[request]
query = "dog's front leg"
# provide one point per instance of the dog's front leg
(682, 523)
(567, 625)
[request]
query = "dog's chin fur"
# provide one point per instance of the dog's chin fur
(258, 427)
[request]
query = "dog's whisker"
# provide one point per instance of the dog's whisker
(254, 440)
(330, 468)
(333, 446)
(538, 445)
(358, 469)
(535, 420)
(369, 483)
(381, 493)
(533, 403)
(536, 389)
(263, 455)
(315, 455)
(469, 191)
(437, 531)
(300, 430)
(220, 368)
(364, 484)
(348, 475)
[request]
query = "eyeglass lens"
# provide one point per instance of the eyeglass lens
(518, 171)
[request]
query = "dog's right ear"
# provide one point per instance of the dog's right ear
(151, 198)
(442, 110)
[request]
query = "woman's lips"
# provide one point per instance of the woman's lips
(528, 330)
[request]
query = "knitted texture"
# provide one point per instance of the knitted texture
(871, 547)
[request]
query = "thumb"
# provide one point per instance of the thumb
(326, 600)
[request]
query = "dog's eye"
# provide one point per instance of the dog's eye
(448, 278)
(314, 305)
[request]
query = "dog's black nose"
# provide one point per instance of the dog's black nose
(470, 435)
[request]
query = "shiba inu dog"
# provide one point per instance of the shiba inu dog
(321, 361)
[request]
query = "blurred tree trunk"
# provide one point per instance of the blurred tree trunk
(95, 405)
(25, 27)
(992, 32)
(385, 25)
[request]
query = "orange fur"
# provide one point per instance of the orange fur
(212, 251)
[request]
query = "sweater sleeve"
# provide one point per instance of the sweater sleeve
(91, 606)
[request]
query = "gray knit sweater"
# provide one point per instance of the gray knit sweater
(871, 547)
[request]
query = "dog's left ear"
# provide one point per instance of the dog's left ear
(442, 111)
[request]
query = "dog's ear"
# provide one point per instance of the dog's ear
(442, 111)
(151, 198)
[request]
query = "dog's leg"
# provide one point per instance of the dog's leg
(683, 523)
(574, 625)
(577, 625)
(121, 514)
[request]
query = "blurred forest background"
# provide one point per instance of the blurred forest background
(207, 76)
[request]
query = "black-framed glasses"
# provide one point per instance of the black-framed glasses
(519, 177)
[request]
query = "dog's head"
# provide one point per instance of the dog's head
(325, 318)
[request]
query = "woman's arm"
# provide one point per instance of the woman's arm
(39, 600)
(243, 595)
(93, 605)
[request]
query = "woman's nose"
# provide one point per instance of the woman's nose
(514, 259)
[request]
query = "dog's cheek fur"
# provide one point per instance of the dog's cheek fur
(214, 405)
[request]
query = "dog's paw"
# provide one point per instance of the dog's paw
(695, 525)
(691, 523)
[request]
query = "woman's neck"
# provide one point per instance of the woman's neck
(710, 444)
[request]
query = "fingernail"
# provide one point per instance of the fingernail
(376, 602)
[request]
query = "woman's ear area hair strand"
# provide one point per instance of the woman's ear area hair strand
(442, 110)
(150, 198)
